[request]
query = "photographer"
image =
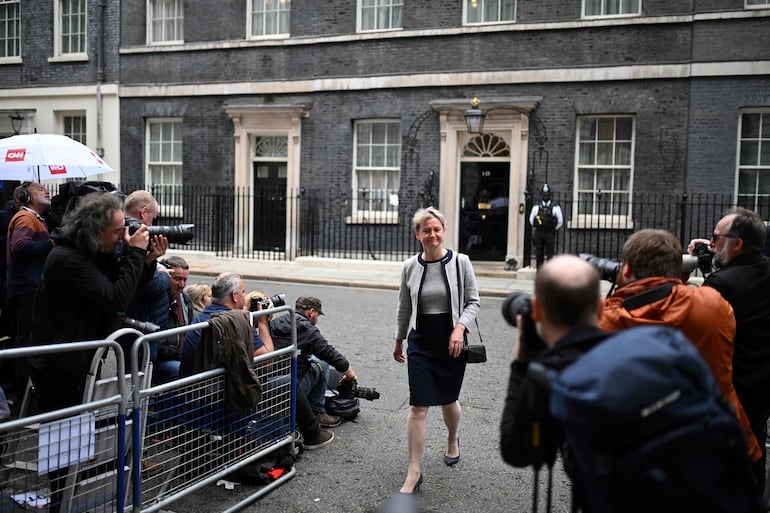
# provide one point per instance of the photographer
(743, 279)
(315, 353)
(651, 292)
(565, 308)
(151, 302)
(227, 293)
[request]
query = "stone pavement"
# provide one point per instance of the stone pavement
(492, 277)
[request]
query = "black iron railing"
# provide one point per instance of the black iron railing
(272, 225)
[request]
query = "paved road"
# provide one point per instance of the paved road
(366, 462)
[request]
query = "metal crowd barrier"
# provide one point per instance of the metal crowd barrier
(69, 460)
(191, 439)
(132, 446)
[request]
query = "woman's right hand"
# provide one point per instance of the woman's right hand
(398, 352)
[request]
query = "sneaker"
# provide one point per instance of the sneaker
(328, 421)
(323, 437)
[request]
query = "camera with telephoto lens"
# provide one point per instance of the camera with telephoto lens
(520, 303)
(143, 326)
(179, 234)
(607, 269)
(702, 260)
(277, 300)
(349, 389)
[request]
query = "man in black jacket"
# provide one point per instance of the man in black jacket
(565, 307)
(743, 279)
(315, 352)
(83, 289)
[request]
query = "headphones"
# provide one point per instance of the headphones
(24, 196)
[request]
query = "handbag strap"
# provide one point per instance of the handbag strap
(461, 299)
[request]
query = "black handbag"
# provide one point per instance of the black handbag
(474, 353)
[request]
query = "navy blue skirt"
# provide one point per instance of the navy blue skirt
(435, 378)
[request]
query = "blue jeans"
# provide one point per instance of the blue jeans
(314, 382)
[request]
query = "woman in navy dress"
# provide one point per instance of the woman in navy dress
(438, 298)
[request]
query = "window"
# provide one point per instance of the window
(754, 163)
(71, 28)
(268, 17)
(380, 14)
(164, 164)
(165, 21)
(10, 41)
(75, 127)
(377, 166)
(757, 3)
(489, 11)
(605, 155)
(611, 7)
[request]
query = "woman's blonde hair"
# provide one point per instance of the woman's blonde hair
(426, 213)
(197, 293)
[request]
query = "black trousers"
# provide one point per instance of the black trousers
(544, 245)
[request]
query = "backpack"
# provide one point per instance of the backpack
(345, 407)
(545, 218)
(647, 428)
(71, 192)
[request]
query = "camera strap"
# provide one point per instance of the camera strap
(648, 296)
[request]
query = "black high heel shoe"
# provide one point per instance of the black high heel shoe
(416, 487)
(453, 460)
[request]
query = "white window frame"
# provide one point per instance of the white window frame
(389, 197)
(261, 6)
(63, 52)
(13, 21)
(758, 165)
(170, 160)
(171, 15)
(605, 14)
(757, 4)
(72, 118)
(480, 4)
(387, 5)
(592, 219)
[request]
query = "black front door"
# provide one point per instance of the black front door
(270, 206)
(484, 210)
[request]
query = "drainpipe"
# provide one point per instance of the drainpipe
(100, 7)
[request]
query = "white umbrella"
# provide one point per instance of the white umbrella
(39, 157)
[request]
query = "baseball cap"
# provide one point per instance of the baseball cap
(308, 302)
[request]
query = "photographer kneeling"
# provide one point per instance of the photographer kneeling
(316, 354)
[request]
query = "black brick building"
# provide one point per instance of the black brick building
(365, 109)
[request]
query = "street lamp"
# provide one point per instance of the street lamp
(17, 121)
(474, 118)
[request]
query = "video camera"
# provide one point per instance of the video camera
(277, 300)
(179, 234)
(350, 389)
(519, 303)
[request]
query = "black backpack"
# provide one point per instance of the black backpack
(71, 192)
(647, 428)
(345, 407)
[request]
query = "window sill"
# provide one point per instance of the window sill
(373, 218)
(590, 222)
(10, 60)
(75, 57)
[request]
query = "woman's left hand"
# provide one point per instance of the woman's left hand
(456, 341)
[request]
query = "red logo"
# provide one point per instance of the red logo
(57, 169)
(15, 155)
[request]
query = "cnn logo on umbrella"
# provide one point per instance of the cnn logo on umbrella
(17, 155)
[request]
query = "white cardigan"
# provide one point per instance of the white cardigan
(412, 275)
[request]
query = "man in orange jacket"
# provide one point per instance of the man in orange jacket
(651, 292)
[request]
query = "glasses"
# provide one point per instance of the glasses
(716, 236)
